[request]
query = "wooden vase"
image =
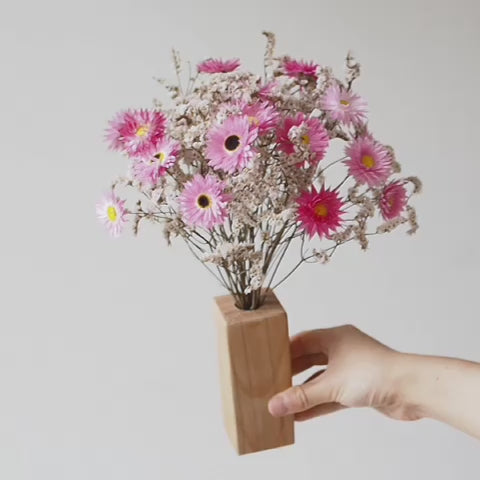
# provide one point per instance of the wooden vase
(254, 357)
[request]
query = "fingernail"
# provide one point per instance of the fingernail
(277, 406)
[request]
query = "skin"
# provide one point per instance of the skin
(362, 372)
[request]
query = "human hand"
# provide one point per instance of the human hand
(361, 372)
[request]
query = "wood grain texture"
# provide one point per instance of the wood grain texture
(254, 357)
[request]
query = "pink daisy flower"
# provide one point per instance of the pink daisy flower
(300, 68)
(316, 138)
(229, 145)
(148, 170)
(136, 132)
(344, 106)
(262, 115)
(203, 202)
(393, 200)
(320, 212)
(112, 213)
(213, 65)
(267, 91)
(369, 162)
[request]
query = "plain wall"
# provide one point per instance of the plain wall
(108, 366)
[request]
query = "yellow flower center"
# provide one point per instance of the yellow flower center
(204, 201)
(161, 157)
(368, 161)
(112, 213)
(344, 102)
(306, 139)
(321, 210)
(142, 131)
(254, 121)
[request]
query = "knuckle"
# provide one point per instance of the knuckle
(349, 328)
(300, 398)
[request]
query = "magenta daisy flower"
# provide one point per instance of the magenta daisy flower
(267, 91)
(262, 115)
(344, 106)
(203, 202)
(136, 132)
(369, 162)
(148, 170)
(300, 68)
(229, 145)
(112, 213)
(213, 65)
(320, 212)
(393, 200)
(316, 138)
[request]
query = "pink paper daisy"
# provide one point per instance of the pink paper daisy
(136, 132)
(320, 212)
(344, 106)
(316, 138)
(203, 202)
(213, 65)
(149, 169)
(369, 162)
(112, 213)
(229, 145)
(267, 91)
(300, 68)
(262, 115)
(393, 200)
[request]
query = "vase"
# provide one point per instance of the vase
(254, 358)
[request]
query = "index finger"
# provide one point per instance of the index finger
(312, 342)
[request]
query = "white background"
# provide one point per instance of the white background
(108, 366)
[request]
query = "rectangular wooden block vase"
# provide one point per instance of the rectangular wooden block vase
(254, 355)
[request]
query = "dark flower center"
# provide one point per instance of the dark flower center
(203, 201)
(232, 143)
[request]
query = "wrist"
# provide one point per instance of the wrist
(441, 388)
(408, 386)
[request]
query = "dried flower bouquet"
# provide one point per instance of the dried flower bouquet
(238, 166)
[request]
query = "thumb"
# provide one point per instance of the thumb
(300, 398)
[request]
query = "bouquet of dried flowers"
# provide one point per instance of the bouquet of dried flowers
(238, 167)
